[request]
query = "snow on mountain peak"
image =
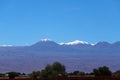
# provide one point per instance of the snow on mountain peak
(45, 40)
(6, 45)
(74, 42)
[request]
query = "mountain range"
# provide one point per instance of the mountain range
(76, 55)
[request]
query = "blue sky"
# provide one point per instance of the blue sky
(24, 22)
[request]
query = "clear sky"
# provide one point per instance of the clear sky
(24, 22)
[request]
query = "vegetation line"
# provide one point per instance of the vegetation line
(58, 70)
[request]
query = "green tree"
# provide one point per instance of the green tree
(34, 74)
(58, 68)
(117, 73)
(78, 73)
(96, 72)
(102, 71)
(47, 72)
(12, 75)
(54, 70)
(2, 75)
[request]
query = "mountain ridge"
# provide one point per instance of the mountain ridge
(80, 56)
(74, 42)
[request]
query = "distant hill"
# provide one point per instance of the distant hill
(76, 55)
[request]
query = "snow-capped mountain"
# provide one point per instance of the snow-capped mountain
(76, 42)
(75, 55)
(45, 40)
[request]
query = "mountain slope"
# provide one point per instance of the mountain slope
(78, 56)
